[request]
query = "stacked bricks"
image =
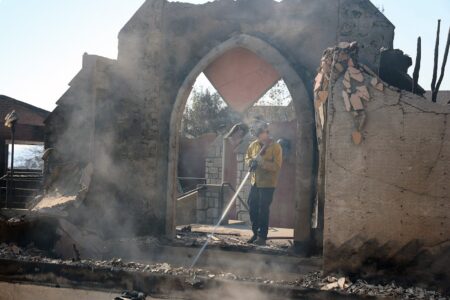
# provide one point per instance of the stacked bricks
(213, 162)
(208, 204)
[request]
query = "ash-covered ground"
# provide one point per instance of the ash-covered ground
(315, 280)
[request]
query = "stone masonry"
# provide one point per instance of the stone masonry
(386, 154)
(209, 205)
(123, 116)
(213, 162)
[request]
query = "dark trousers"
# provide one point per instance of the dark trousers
(259, 202)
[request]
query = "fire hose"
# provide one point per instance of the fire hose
(228, 207)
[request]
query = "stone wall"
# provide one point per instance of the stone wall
(70, 128)
(168, 40)
(360, 20)
(100, 121)
(213, 162)
(387, 156)
(209, 204)
(385, 165)
(136, 98)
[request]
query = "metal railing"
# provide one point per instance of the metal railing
(187, 184)
(18, 188)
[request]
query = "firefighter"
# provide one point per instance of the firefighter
(264, 158)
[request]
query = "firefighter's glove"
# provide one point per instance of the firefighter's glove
(253, 165)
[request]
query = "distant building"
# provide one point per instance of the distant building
(29, 129)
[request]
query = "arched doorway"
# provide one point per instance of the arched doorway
(304, 177)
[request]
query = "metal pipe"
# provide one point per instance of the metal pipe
(224, 163)
(232, 199)
(238, 197)
(13, 131)
(191, 178)
(186, 196)
(10, 182)
(224, 156)
(10, 121)
(191, 192)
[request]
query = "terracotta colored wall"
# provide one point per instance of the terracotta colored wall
(241, 77)
(283, 205)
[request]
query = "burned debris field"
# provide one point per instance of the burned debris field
(284, 275)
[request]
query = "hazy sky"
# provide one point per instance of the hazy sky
(42, 41)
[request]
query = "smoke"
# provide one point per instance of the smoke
(97, 124)
(112, 117)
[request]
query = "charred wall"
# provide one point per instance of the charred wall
(386, 158)
(361, 21)
(69, 131)
(121, 122)
(164, 41)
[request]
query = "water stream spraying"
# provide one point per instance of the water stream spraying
(225, 212)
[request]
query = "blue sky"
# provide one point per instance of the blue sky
(42, 41)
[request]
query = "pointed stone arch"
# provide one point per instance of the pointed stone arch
(304, 181)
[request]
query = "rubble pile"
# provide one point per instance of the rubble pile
(230, 241)
(362, 287)
(392, 290)
(313, 280)
(161, 268)
(12, 251)
(187, 238)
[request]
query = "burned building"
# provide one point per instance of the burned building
(127, 111)
(384, 157)
(28, 130)
(369, 159)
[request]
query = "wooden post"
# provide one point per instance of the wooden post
(444, 63)
(436, 61)
(417, 65)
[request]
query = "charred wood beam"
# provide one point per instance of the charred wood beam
(417, 65)
(444, 63)
(436, 61)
